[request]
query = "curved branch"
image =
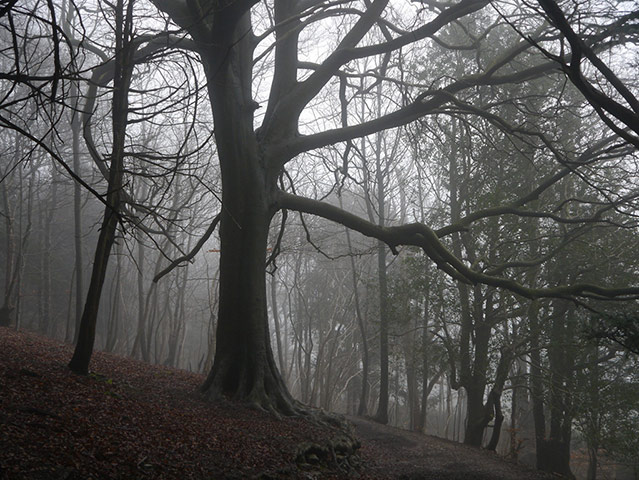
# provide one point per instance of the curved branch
(420, 235)
(421, 107)
(9, 124)
(293, 103)
(192, 253)
(600, 101)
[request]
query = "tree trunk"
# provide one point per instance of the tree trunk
(592, 463)
(474, 381)
(382, 408)
(46, 325)
(86, 336)
(142, 331)
(243, 367)
(124, 67)
(553, 455)
(475, 416)
(363, 398)
(77, 223)
(426, 387)
(76, 131)
(276, 324)
(495, 399)
(116, 304)
(381, 172)
(16, 243)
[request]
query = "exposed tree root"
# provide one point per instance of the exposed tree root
(267, 392)
(340, 451)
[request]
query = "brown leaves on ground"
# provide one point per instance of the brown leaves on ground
(131, 420)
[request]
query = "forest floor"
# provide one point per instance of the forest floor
(131, 420)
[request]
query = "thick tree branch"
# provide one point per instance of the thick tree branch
(420, 235)
(601, 102)
(421, 107)
(292, 105)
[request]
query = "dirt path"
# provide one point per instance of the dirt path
(393, 453)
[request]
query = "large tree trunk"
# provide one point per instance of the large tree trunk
(475, 416)
(244, 367)
(553, 455)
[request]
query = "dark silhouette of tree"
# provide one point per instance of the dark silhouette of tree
(124, 63)
(253, 160)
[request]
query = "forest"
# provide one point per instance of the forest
(421, 212)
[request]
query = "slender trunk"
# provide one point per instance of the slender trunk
(421, 426)
(114, 317)
(495, 400)
(76, 132)
(86, 337)
(77, 224)
(329, 384)
(412, 390)
(276, 323)
(68, 329)
(175, 323)
(363, 398)
(7, 300)
(514, 406)
(46, 325)
(16, 243)
(594, 418)
(592, 463)
(212, 326)
(381, 415)
(139, 344)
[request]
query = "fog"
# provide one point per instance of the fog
(421, 212)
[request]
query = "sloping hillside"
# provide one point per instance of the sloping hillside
(130, 420)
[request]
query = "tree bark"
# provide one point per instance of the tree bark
(363, 397)
(381, 415)
(243, 367)
(76, 128)
(123, 70)
(276, 324)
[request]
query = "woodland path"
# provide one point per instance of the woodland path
(390, 452)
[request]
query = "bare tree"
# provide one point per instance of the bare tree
(122, 80)
(252, 160)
